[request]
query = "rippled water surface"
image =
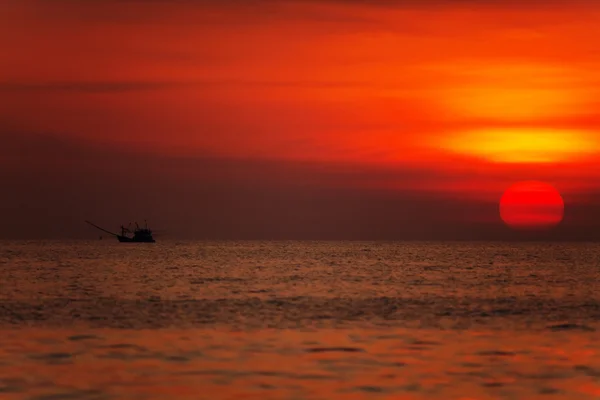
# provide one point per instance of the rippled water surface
(298, 320)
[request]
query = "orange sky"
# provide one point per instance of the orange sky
(456, 98)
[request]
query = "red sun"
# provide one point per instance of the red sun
(531, 205)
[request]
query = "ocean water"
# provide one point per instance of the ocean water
(299, 320)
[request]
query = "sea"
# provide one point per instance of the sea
(299, 320)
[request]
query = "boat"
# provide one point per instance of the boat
(137, 235)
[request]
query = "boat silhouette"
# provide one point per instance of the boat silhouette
(137, 235)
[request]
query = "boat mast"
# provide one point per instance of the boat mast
(102, 229)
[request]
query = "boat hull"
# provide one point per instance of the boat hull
(125, 239)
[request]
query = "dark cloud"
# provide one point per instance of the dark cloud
(116, 87)
(91, 87)
(258, 11)
(381, 3)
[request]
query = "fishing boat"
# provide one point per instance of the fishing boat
(128, 235)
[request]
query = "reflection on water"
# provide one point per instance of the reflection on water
(294, 320)
(297, 364)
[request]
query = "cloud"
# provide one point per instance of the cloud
(90, 87)
(132, 86)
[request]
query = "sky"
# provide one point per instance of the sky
(308, 119)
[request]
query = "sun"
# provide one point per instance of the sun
(531, 205)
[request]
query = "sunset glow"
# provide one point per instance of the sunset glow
(524, 145)
(436, 100)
